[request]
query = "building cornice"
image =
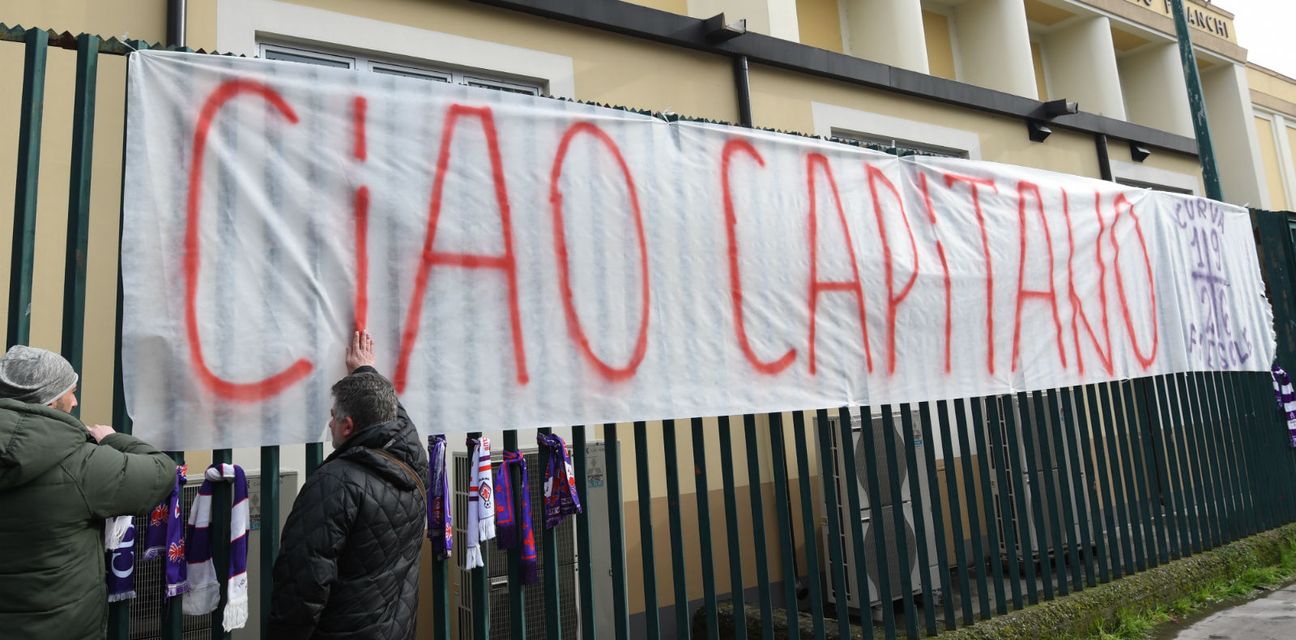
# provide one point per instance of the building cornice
(683, 31)
(1163, 24)
(1272, 103)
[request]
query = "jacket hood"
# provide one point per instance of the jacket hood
(396, 438)
(33, 439)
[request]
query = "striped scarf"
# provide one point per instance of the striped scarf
(164, 538)
(440, 528)
(204, 592)
(1286, 398)
(119, 544)
(514, 520)
(481, 502)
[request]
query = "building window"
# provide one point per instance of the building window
(900, 135)
(896, 146)
(366, 62)
(1139, 184)
(1142, 176)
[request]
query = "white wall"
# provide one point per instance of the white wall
(1153, 87)
(994, 46)
(1232, 123)
(886, 31)
(1081, 66)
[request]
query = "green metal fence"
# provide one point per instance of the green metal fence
(1048, 492)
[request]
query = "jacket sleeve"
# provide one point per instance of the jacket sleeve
(314, 536)
(124, 476)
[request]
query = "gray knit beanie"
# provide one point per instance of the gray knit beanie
(35, 376)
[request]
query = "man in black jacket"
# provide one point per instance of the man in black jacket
(348, 564)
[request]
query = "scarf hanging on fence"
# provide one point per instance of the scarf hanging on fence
(513, 520)
(481, 502)
(119, 545)
(204, 592)
(164, 537)
(560, 499)
(440, 522)
(1286, 397)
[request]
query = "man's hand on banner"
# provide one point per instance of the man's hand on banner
(360, 351)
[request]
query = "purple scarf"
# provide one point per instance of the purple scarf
(204, 592)
(440, 528)
(513, 524)
(164, 538)
(121, 558)
(560, 483)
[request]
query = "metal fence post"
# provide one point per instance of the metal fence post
(549, 554)
(78, 228)
(735, 545)
(588, 628)
(1082, 548)
(220, 537)
(938, 516)
(478, 577)
(758, 525)
(878, 527)
(997, 449)
(836, 549)
(846, 440)
(680, 581)
(1032, 472)
(984, 454)
(808, 524)
(616, 531)
(26, 187)
(652, 611)
(516, 590)
(783, 513)
(978, 560)
(700, 489)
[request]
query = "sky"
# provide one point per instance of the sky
(1264, 29)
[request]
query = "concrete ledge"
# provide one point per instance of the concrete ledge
(1078, 614)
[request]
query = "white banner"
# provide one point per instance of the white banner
(525, 262)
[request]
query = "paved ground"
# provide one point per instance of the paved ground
(1272, 617)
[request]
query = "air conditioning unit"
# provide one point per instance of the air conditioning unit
(150, 583)
(497, 560)
(1027, 483)
(877, 515)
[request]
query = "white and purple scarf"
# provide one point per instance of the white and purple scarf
(560, 499)
(481, 502)
(1286, 397)
(440, 528)
(204, 591)
(164, 537)
(513, 517)
(119, 544)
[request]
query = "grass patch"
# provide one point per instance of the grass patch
(1139, 624)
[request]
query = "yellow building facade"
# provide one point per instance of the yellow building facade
(956, 77)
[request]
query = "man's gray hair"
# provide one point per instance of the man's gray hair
(366, 397)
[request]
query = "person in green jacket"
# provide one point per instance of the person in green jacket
(59, 481)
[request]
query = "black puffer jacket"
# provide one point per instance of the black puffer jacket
(348, 564)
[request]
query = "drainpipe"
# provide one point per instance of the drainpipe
(743, 89)
(1104, 160)
(175, 31)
